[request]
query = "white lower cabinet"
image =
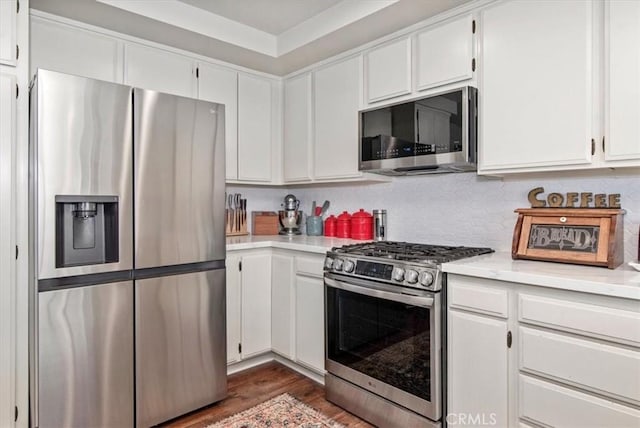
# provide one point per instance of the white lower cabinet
(275, 302)
(8, 105)
(549, 404)
(309, 322)
(234, 309)
(477, 381)
(282, 300)
(574, 358)
(248, 305)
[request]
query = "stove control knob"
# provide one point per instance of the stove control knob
(411, 276)
(425, 278)
(349, 265)
(397, 274)
(328, 262)
(337, 264)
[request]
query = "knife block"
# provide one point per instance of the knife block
(236, 222)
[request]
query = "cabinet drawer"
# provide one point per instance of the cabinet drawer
(590, 320)
(608, 370)
(552, 405)
(310, 266)
(472, 295)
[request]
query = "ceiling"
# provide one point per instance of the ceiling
(267, 15)
(274, 36)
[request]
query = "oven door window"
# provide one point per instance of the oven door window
(383, 339)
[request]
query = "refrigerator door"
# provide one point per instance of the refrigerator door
(179, 178)
(180, 330)
(81, 145)
(85, 364)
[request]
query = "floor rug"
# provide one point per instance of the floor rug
(279, 412)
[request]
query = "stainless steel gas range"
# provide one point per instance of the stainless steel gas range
(384, 330)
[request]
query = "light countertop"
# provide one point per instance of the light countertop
(311, 244)
(623, 281)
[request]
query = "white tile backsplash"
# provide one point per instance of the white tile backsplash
(455, 209)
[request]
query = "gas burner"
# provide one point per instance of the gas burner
(398, 263)
(416, 253)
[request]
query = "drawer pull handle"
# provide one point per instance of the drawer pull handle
(563, 219)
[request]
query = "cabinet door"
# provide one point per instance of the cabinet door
(282, 284)
(623, 80)
(477, 386)
(159, 70)
(256, 304)
(254, 128)
(297, 128)
(221, 86)
(336, 93)
(536, 85)
(310, 322)
(234, 317)
(8, 13)
(7, 305)
(71, 50)
(388, 70)
(444, 53)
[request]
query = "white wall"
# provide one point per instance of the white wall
(458, 209)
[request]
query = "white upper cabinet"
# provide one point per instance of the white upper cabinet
(159, 70)
(71, 50)
(622, 120)
(388, 70)
(8, 46)
(220, 85)
(297, 129)
(254, 128)
(336, 95)
(536, 85)
(444, 54)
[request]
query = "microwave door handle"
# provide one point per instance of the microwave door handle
(424, 302)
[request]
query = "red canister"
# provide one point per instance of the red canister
(330, 226)
(343, 225)
(362, 225)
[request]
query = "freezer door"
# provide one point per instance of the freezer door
(179, 180)
(81, 145)
(180, 329)
(85, 357)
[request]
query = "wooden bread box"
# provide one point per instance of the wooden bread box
(264, 223)
(588, 236)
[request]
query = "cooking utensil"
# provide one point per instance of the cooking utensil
(230, 216)
(236, 203)
(325, 207)
(313, 208)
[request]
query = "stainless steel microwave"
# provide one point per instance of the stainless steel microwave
(428, 135)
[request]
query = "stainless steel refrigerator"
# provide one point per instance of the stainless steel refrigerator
(127, 293)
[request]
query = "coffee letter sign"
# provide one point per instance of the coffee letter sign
(568, 200)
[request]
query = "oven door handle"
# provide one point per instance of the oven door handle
(424, 302)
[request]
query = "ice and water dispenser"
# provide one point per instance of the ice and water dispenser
(86, 230)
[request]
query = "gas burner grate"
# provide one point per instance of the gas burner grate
(417, 253)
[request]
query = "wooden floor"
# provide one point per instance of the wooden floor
(258, 384)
